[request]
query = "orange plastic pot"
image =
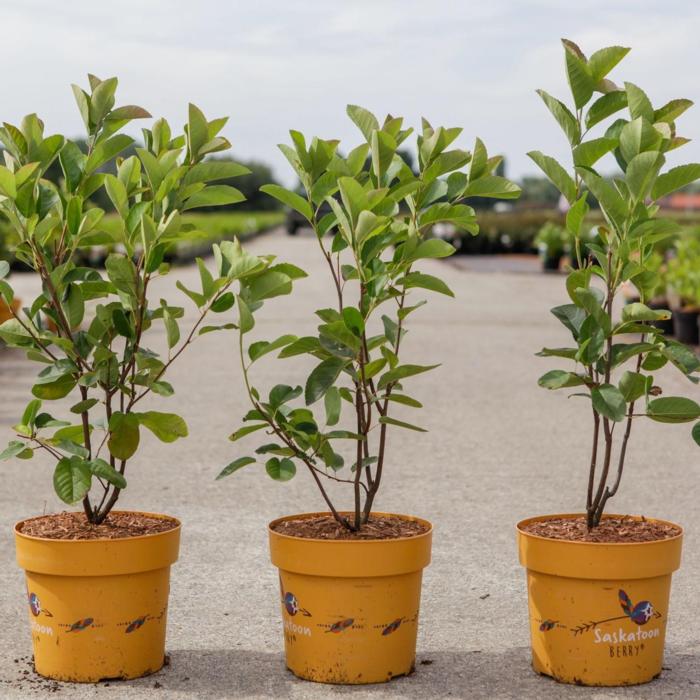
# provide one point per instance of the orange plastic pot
(6, 311)
(598, 611)
(350, 607)
(97, 608)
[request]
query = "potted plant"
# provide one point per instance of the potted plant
(350, 578)
(683, 279)
(658, 298)
(551, 244)
(97, 581)
(599, 583)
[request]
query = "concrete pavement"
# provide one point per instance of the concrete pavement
(499, 449)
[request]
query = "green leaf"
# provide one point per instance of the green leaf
(106, 150)
(401, 372)
(269, 284)
(405, 400)
(641, 174)
(492, 186)
(167, 427)
(213, 170)
(214, 196)
(104, 470)
(30, 412)
(123, 435)
(172, 330)
(7, 183)
(423, 281)
(563, 115)
(632, 386)
(365, 121)
(696, 433)
(57, 389)
(307, 344)
(72, 479)
(609, 402)
(322, 378)
(197, 131)
(13, 449)
(579, 76)
(353, 320)
(235, 466)
(556, 173)
(675, 179)
(637, 311)
(280, 469)
(387, 420)
(638, 103)
(460, 215)
(604, 60)
(590, 152)
(605, 106)
(246, 322)
(122, 274)
(673, 409)
(672, 110)
(246, 430)
(559, 379)
(261, 348)
(609, 198)
(291, 199)
(333, 405)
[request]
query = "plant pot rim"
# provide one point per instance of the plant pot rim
(687, 309)
(540, 518)
(161, 516)
(304, 516)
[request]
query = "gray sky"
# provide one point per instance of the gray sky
(272, 66)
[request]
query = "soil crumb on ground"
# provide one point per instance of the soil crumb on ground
(326, 527)
(75, 526)
(610, 530)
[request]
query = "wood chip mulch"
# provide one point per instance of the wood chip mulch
(75, 526)
(610, 530)
(325, 527)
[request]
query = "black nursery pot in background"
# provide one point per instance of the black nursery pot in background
(667, 325)
(685, 326)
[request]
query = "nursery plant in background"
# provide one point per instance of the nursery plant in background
(627, 584)
(91, 334)
(372, 216)
(683, 280)
(551, 243)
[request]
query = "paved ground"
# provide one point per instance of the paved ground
(499, 449)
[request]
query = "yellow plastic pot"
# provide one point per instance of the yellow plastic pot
(598, 611)
(350, 607)
(97, 608)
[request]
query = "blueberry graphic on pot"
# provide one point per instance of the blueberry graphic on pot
(138, 622)
(81, 625)
(640, 613)
(392, 627)
(338, 627)
(291, 605)
(35, 606)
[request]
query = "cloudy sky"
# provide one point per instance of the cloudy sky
(274, 65)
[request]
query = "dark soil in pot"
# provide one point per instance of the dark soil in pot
(326, 527)
(75, 526)
(685, 326)
(610, 530)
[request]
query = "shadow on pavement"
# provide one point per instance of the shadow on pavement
(238, 673)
